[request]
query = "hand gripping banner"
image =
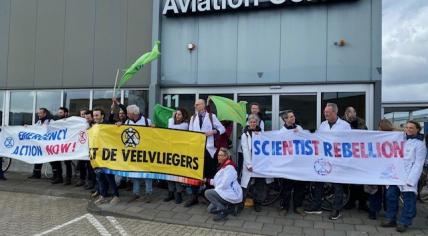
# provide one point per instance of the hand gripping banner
(355, 157)
(145, 149)
(61, 140)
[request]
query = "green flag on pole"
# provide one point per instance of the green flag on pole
(139, 63)
(161, 115)
(227, 109)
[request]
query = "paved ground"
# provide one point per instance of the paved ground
(19, 215)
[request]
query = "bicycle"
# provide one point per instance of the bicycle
(6, 162)
(328, 195)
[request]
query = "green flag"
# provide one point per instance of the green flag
(227, 109)
(161, 115)
(139, 63)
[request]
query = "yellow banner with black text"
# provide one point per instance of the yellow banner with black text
(139, 148)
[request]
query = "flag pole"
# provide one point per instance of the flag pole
(115, 83)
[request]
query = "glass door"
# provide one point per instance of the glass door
(304, 107)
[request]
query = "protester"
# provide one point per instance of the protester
(135, 118)
(226, 190)
(298, 188)
(62, 114)
(1, 168)
(375, 194)
(415, 153)
(178, 121)
(91, 181)
(104, 181)
(44, 118)
(356, 192)
(259, 187)
(331, 124)
(82, 165)
(122, 112)
(206, 122)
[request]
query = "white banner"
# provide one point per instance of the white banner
(61, 140)
(357, 157)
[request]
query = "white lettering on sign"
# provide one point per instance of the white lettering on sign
(177, 7)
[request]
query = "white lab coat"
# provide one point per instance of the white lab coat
(181, 126)
(226, 184)
(339, 125)
(141, 121)
(206, 126)
(414, 153)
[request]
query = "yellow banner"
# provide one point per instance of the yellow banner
(139, 148)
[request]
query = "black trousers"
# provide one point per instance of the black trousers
(210, 168)
(297, 188)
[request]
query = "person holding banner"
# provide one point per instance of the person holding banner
(415, 154)
(44, 118)
(206, 122)
(226, 190)
(178, 121)
(1, 169)
(297, 187)
(81, 165)
(331, 124)
(135, 118)
(122, 112)
(247, 169)
(104, 181)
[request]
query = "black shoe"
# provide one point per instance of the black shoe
(388, 224)
(169, 197)
(192, 201)
(334, 215)
(34, 176)
(313, 210)
(80, 183)
(3, 178)
(90, 186)
(257, 207)
(57, 181)
(401, 228)
(222, 215)
(67, 182)
(178, 198)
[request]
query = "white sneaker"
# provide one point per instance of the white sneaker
(100, 200)
(115, 200)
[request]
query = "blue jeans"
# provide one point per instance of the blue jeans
(409, 207)
(104, 182)
(136, 186)
(375, 200)
(319, 192)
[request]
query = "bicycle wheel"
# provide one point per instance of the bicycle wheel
(6, 162)
(328, 195)
(47, 170)
(273, 192)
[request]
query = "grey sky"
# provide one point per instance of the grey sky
(405, 50)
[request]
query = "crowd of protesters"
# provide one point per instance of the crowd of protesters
(226, 185)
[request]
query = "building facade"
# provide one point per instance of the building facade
(283, 54)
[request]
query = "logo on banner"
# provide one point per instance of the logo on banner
(9, 142)
(390, 172)
(130, 137)
(82, 137)
(322, 166)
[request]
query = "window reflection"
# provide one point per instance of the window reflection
(186, 101)
(343, 100)
(139, 98)
(304, 107)
(21, 106)
(76, 100)
(102, 99)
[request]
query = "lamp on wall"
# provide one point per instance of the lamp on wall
(191, 46)
(340, 43)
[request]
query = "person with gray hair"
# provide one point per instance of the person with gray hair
(136, 118)
(331, 124)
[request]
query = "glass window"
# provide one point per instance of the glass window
(76, 100)
(102, 99)
(212, 107)
(265, 102)
(21, 106)
(1, 107)
(186, 101)
(139, 98)
(304, 107)
(50, 100)
(344, 100)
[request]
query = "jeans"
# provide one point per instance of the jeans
(375, 200)
(319, 192)
(175, 186)
(409, 206)
(216, 202)
(104, 182)
(136, 186)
